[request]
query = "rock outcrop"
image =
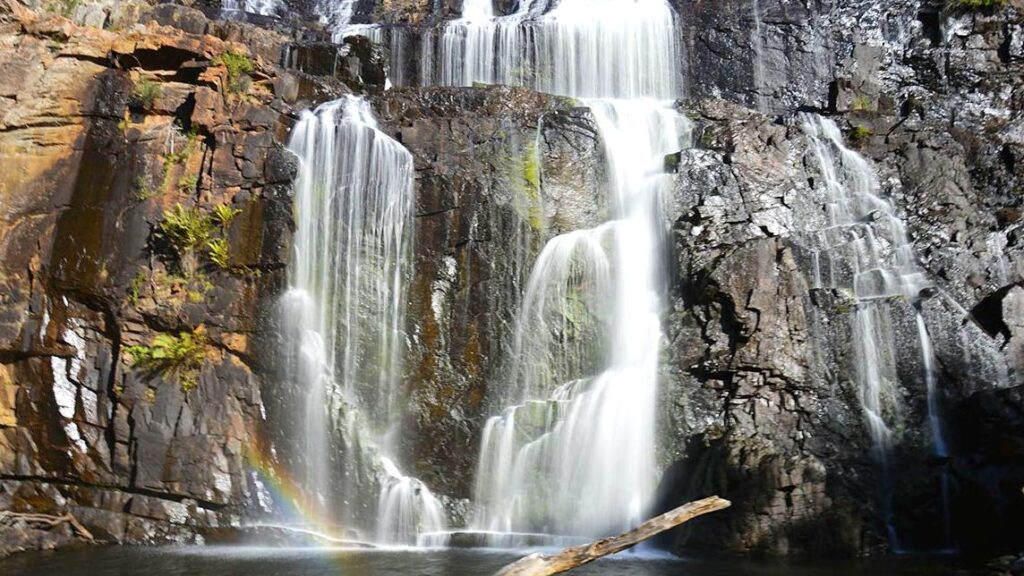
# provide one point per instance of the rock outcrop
(930, 93)
(498, 171)
(104, 137)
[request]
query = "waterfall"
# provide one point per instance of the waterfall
(757, 42)
(406, 508)
(869, 257)
(939, 448)
(581, 48)
(261, 7)
(345, 313)
(337, 14)
(572, 451)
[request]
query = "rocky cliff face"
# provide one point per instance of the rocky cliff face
(931, 94)
(105, 134)
(481, 219)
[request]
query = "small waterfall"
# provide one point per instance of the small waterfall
(337, 14)
(581, 48)
(868, 255)
(394, 39)
(345, 313)
(939, 448)
(406, 508)
(931, 379)
(757, 42)
(862, 267)
(996, 245)
(261, 7)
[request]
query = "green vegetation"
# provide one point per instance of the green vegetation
(531, 167)
(145, 94)
(193, 234)
(135, 287)
(172, 288)
(185, 228)
(860, 135)
(568, 102)
(239, 66)
(143, 191)
(530, 174)
(861, 104)
(219, 253)
(181, 155)
(975, 4)
(178, 356)
(224, 214)
(65, 8)
(521, 170)
(188, 183)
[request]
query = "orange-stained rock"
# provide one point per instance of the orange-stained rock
(89, 164)
(8, 393)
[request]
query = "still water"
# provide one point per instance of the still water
(242, 561)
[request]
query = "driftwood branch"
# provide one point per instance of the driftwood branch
(546, 565)
(45, 522)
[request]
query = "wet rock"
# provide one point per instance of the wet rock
(484, 160)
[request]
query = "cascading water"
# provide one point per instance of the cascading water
(939, 448)
(581, 461)
(337, 14)
(867, 255)
(261, 7)
(345, 313)
(581, 48)
(572, 453)
(757, 42)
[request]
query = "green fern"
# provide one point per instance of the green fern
(186, 228)
(145, 94)
(179, 356)
(239, 66)
(224, 214)
(220, 253)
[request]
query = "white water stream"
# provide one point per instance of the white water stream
(581, 48)
(572, 451)
(261, 7)
(346, 315)
(865, 253)
(757, 42)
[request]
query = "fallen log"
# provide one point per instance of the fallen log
(547, 565)
(45, 522)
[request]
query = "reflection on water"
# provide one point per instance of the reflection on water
(223, 561)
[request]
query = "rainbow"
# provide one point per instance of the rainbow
(300, 511)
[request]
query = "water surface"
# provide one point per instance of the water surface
(249, 561)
